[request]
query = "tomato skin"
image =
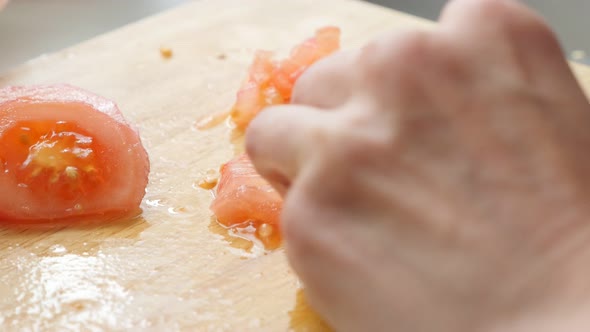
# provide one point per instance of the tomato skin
(78, 160)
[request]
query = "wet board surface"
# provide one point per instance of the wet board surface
(173, 268)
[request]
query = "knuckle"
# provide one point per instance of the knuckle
(533, 28)
(389, 67)
(307, 84)
(501, 12)
(368, 138)
(492, 10)
(513, 16)
(396, 54)
(414, 46)
(518, 17)
(325, 83)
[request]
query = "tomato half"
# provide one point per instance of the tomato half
(67, 154)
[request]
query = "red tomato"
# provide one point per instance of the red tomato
(66, 155)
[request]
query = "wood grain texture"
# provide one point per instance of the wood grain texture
(173, 268)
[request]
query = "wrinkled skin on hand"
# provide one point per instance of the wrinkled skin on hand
(438, 180)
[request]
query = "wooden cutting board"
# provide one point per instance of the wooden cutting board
(173, 268)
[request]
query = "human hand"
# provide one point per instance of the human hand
(438, 180)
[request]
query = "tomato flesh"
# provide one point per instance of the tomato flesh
(245, 200)
(53, 158)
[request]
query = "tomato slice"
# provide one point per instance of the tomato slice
(67, 155)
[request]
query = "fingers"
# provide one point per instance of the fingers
(279, 140)
(328, 83)
(504, 32)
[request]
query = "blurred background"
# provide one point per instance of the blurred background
(29, 28)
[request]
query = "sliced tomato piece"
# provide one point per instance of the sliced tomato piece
(67, 155)
(244, 198)
(271, 82)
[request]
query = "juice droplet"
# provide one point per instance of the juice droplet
(206, 184)
(177, 210)
(264, 234)
(211, 120)
(209, 181)
(265, 230)
(58, 249)
(166, 52)
(154, 202)
(269, 235)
